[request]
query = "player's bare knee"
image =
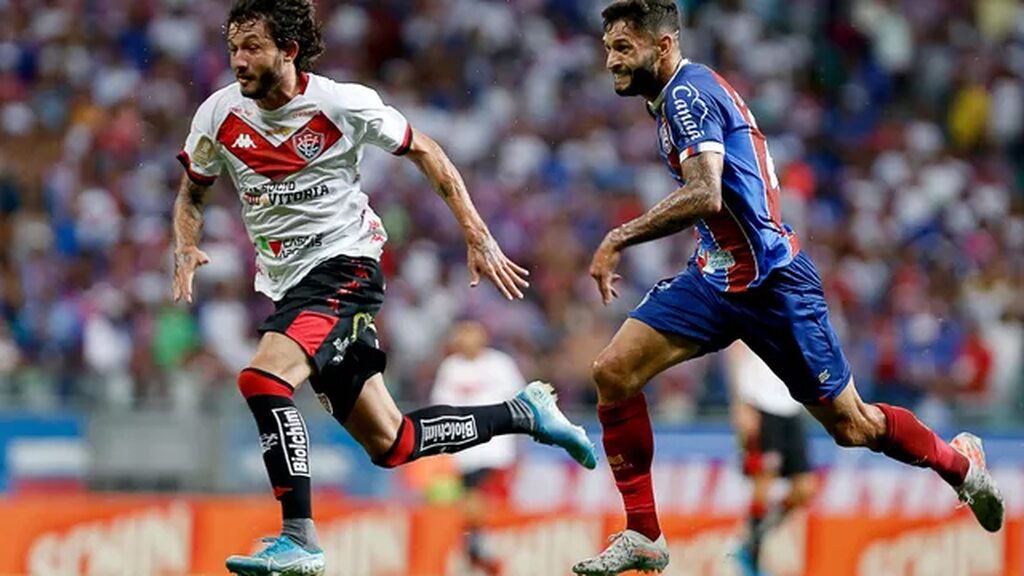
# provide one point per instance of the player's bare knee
(802, 491)
(614, 382)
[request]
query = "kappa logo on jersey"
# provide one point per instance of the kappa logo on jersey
(295, 442)
(445, 431)
(308, 143)
(244, 141)
(689, 111)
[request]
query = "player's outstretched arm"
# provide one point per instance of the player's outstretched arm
(484, 255)
(188, 229)
(700, 197)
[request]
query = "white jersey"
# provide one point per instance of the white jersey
(296, 170)
(490, 378)
(757, 385)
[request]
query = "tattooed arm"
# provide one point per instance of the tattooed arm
(700, 197)
(188, 229)
(484, 255)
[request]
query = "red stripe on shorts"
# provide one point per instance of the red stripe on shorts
(310, 329)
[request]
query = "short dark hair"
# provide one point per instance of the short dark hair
(650, 16)
(287, 21)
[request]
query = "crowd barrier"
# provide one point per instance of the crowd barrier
(163, 536)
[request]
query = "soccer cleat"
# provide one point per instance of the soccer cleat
(282, 557)
(550, 426)
(629, 550)
(978, 490)
(745, 559)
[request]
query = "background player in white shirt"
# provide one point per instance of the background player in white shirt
(475, 374)
(773, 444)
(291, 141)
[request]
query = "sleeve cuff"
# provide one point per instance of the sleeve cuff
(194, 176)
(709, 146)
(406, 144)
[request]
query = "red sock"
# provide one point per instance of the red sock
(911, 442)
(629, 446)
(758, 509)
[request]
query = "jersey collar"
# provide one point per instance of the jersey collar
(653, 107)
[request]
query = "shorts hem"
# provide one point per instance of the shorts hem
(703, 344)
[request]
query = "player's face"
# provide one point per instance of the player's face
(255, 58)
(469, 338)
(632, 58)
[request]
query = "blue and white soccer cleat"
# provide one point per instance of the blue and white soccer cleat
(550, 426)
(628, 550)
(282, 557)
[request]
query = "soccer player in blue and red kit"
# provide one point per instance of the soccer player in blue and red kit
(749, 280)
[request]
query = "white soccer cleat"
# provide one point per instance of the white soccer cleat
(629, 550)
(979, 491)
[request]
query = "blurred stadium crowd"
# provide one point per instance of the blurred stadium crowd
(896, 127)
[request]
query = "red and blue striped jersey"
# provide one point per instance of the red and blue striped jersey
(698, 111)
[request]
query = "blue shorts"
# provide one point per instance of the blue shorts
(784, 321)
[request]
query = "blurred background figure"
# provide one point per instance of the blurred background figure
(773, 446)
(474, 373)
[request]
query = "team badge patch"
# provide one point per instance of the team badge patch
(666, 139)
(204, 151)
(308, 143)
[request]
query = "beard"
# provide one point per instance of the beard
(642, 80)
(260, 86)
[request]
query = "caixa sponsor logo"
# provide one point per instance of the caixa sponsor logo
(284, 247)
(689, 111)
(445, 431)
(294, 439)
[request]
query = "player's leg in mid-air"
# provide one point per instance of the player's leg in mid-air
(318, 335)
(678, 320)
(778, 449)
(785, 321)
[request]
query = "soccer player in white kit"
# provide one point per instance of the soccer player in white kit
(291, 142)
(773, 445)
(476, 374)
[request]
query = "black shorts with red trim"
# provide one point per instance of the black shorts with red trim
(330, 314)
(780, 448)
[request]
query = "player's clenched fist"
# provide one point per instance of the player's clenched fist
(186, 260)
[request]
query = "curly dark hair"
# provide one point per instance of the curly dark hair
(650, 16)
(287, 21)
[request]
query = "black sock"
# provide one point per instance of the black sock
(755, 537)
(760, 526)
(448, 429)
(283, 439)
